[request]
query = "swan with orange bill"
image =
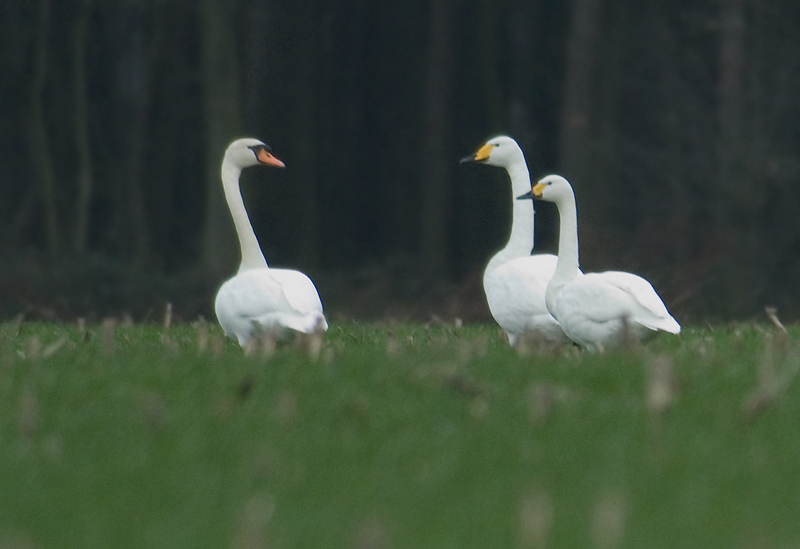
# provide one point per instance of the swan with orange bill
(260, 299)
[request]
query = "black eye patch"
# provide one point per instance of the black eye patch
(258, 148)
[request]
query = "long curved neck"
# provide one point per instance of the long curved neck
(568, 261)
(252, 258)
(520, 242)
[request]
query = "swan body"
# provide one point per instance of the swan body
(596, 310)
(259, 299)
(515, 293)
(514, 280)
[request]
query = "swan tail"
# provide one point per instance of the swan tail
(664, 324)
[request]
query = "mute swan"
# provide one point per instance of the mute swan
(259, 299)
(596, 310)
(514, 280)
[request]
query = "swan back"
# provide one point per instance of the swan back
(598, 310)
(268, 300)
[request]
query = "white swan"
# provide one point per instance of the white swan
(259, 299)
(514, 280)
(596, 310)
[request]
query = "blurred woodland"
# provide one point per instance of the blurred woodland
(678, 123)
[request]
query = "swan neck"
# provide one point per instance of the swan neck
(568, 261)
(520, 241)
(252, 257)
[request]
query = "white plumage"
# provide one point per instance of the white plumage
(515, 294)
(260, 299)
(514, 280)
(596, 310)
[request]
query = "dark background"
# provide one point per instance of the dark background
(678, 122)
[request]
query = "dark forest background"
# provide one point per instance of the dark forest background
(677, 121)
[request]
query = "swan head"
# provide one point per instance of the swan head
(551, 188)
(247, 152)
(499, 151)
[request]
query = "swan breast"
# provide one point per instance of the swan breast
(515, 292)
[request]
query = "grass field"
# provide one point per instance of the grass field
(396, 436)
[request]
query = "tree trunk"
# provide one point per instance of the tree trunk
(578, 92)
(522, 79)
(491, 40)
(140, 30)
(38, 135)
(258, 47)
(733, 213)
(307, 128)
(577, 118)
(83, 195)
(730, 97)
(222, 106)
(435, 214)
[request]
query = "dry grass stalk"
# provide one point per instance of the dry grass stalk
(54, 347)
(202, 338)
(772, 384)
(660, 384)
(52, 449)
(541, 401)
(28, 407)
(108, 327)
(530, 344)
(17, 324)
(478, 407)
(168, 315)
(469, 349)
(33, 347)
(286, 408)
(608, 520)
(535, 518)
(371, 534)
(393, 346)
(253, 521)
(782, 334)
(311, 344)
(263, 345)
(217, 345)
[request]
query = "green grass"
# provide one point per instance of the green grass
(395, 436)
